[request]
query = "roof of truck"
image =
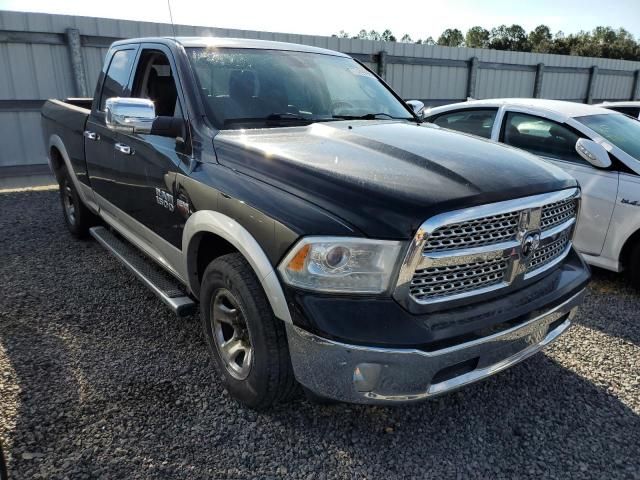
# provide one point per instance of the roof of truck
(224, 42)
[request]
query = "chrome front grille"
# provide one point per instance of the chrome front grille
(434, 282)
(469, 252)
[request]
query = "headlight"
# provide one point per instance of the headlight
(341, 264)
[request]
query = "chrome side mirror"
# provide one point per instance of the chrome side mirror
(417, 106)
(130, 115)
(593, 152)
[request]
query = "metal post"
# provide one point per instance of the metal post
(537, 84)
(473, 76)
(382, 64)
(77, 65)
(592, 83)
(635, 90)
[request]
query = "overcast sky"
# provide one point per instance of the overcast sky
(420, 19)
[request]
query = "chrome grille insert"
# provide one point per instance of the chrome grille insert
(474, 233)
(558, 212)
(549, 252)
(450, 280)
(475, 251)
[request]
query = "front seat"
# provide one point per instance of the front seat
(242, 100)
(162, 90)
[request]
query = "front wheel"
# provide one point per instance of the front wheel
(247, 342)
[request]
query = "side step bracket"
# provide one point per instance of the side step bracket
(167, 288)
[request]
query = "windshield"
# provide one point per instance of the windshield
(619, 129)
(249, 88)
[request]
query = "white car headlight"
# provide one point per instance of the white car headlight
(341, 264)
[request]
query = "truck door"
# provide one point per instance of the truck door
(555, 142)
(99, 140)
(149, 163)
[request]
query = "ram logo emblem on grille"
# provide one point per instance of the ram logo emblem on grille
(530, 243)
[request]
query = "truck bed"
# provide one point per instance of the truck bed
(63, 124)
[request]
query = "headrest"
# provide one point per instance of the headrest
(242, 84)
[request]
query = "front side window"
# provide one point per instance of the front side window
(622, 131)
(256, 88)
(541, 136)
(475, 122)
(154, 79)
(117, 76)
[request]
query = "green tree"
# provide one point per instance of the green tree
(451, 37)
(477, 37)
(387, 36)
(509, 38)
(406, 38)
(540, 39)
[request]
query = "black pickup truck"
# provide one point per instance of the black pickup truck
(330, 238)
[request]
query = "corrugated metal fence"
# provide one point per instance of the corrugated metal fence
(44, 56)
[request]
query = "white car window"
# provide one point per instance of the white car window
(541, 136)
(476, 121)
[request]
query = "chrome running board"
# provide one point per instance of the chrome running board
(167, 288)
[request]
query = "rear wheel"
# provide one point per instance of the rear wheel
(76, 215)
(247, 342)
(633, 267)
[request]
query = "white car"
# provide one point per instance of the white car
(631, 108)
(599, 147)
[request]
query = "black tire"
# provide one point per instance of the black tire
(633, 267)
(268, 377)
(76, 214)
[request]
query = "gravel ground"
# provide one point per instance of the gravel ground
(99, 380)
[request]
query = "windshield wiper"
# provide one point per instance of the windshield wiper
(276, 118)
(370, 116)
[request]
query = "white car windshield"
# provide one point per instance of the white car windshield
(255, 88)
(619, 129)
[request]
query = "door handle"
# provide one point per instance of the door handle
(122, 148)
(89, 135)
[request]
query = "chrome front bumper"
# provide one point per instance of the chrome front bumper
(360, 374)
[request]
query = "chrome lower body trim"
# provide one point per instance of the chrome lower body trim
(358, 374)
(150, 243)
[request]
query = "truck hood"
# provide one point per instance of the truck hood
(385, 177)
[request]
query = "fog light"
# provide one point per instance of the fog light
(366, 376)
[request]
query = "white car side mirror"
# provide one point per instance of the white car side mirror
(593, 152)
(417, 106)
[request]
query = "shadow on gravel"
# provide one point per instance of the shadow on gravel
(612, 306)
(537, 420)
(114, 386)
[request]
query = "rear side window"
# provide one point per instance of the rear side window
(476, 122)
(631, 111)
(117, 76)
(542, 137)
